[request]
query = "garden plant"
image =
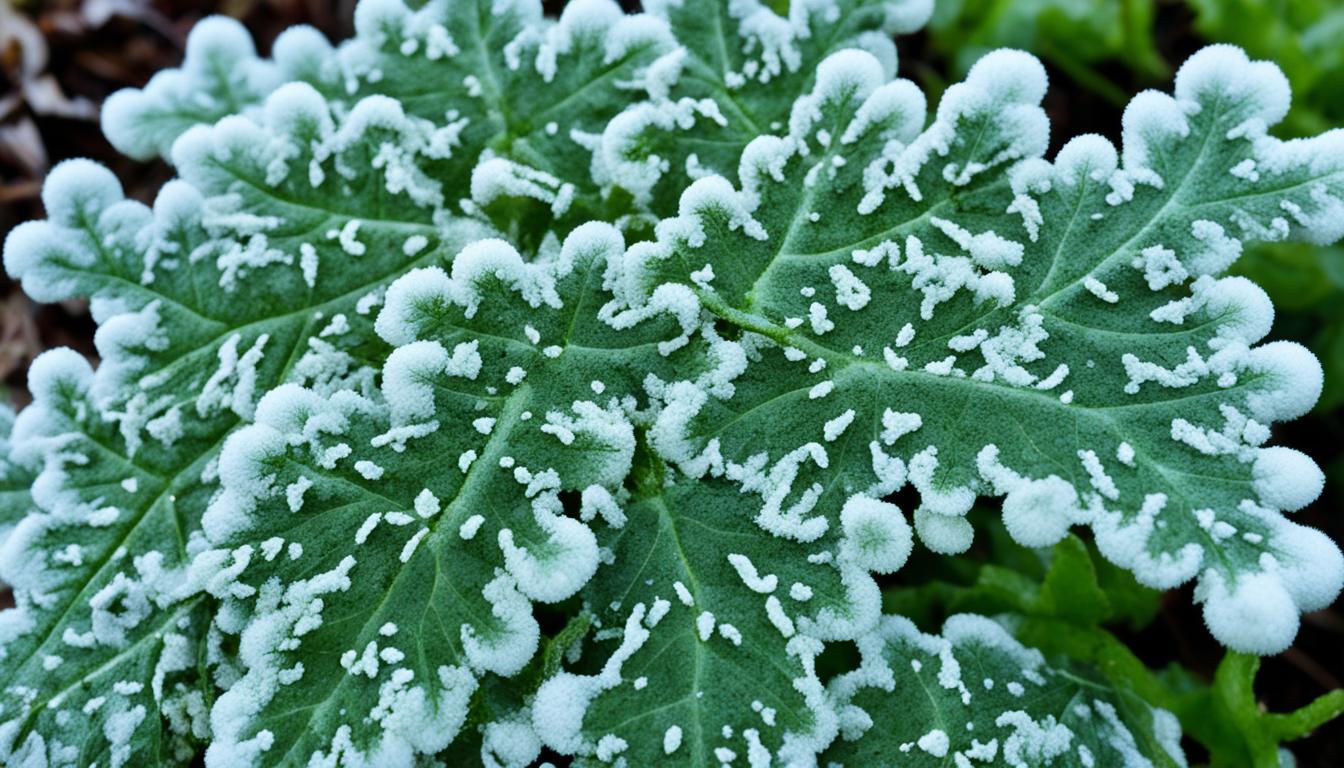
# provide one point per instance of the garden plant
(495, 389)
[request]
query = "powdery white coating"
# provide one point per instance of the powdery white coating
(368, 470)
(671, 739)
(1096, 473)
(1223, 71)
(850, 291)
(408, 549)
(656, 614)
(1286, 479)
(1033, 742)
(565, 564)
(497, 178)
(731, 634)
(877, 537)
(847, 75)
(56, 374)
(936, 498)
(786, 507)
(1257, 615)
(1124, 454)
(409, 301)
(836, 427)
(944, 534)
(514, 642)
(747, 572)
(558, 710)
(562, 701)
(1004, 87)
(704, 625)
(898, 107)
(935, 743)
(1125, 543)
(467, 531)
(75, 194)
(683, 594)
(509, 744)
(1295, 381)
(896, 425)
(1037, 513)
(232, 716)
(1099, 289)
(221, 63)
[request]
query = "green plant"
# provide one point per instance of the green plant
(490, 383)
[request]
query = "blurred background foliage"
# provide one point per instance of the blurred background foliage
(60, 58)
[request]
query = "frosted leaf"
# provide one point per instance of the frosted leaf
(696, 538)
(127, 457)
(487, 77)
(985, 325)
(518, 83)
(220, 76)
(735, 78)
(92, 563)
(453, 558)
(974, 694)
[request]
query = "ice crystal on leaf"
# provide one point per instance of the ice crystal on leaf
(480, 319)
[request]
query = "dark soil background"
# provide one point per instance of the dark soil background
(60, 58)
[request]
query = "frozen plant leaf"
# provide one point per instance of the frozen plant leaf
(718, 630)
(1057, 612)
(974, 694)
(734, 77)
(1300, 36)
(220, 76)
(378, 556)
(525, 89)
(497, 79)
(99, 652)
(941, 307)
(129, 454)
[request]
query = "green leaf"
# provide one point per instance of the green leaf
(975, 693)
(735, 77)
(400, 591)
(129, 454)
(221, 75)
(718, 636)
(497, 80)
(1055, 333)
(1307, 282)
(1223, 715)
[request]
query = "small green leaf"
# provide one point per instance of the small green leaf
(975, 693)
